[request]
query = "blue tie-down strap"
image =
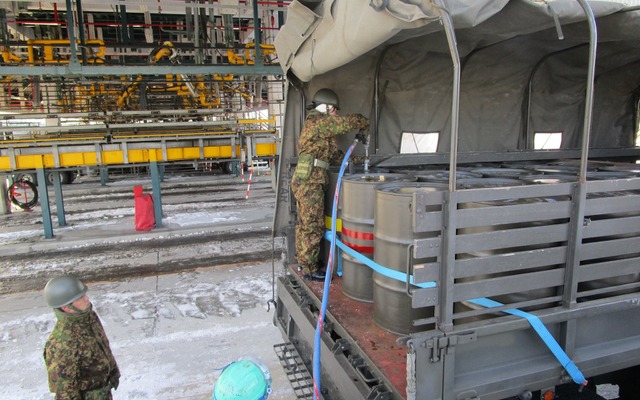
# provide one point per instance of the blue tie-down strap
(533, 320)
(544, 334)
(391, 273)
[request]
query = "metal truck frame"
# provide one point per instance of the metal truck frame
(487, 78)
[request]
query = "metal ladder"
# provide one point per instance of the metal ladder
(297, 372)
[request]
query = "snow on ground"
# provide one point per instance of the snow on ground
(170, 333)
(97, 219)
(201, 218)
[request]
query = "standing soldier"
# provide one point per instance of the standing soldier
(317, 149)
(79, 361)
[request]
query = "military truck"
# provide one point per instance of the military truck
(504, 262)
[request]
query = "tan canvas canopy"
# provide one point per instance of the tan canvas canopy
(523, 68)
(336, 32)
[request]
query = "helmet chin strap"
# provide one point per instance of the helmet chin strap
(76, 309)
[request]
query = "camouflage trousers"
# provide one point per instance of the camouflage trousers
(310, 226)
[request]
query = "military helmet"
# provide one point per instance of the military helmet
(63, 290)
(326, 96)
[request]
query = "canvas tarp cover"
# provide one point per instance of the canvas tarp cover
(517, 76)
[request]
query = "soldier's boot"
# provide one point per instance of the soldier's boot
(317, 273)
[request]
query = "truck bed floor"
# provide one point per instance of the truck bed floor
(356, 318)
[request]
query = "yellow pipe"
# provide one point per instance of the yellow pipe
(9, 57)
(203, 97)
(128, 92)
(227, 77)
(249, 54)
(5, 143)
(256, 131)
(49, 44)
(257, 121)
(159, 135)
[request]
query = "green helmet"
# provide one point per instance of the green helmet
(63, 290)
(326, 96)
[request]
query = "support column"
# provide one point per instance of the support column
(257, 37)
(155, 187)
(81, 35)
(57, 186)
(73, 60)
(104, 176)
(44, 203)
(5, 208)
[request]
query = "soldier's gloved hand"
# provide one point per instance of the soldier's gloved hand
(363, 122)
(361, 137)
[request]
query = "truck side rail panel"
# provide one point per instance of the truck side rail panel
(511, 245)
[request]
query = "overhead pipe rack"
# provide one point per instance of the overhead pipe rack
(74, 68)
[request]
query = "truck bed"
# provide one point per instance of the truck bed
(374, 361)
(356, 318)
(505, 249)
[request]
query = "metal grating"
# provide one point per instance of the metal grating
(297, 372)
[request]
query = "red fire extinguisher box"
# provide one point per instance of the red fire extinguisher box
(145, 219)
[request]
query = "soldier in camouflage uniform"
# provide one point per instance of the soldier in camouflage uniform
(317, 149)
(79, 361)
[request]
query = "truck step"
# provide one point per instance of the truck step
(297, 372)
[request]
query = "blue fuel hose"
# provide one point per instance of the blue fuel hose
(327, 279)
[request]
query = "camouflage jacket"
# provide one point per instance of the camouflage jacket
(318, 137)
(78, 356)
